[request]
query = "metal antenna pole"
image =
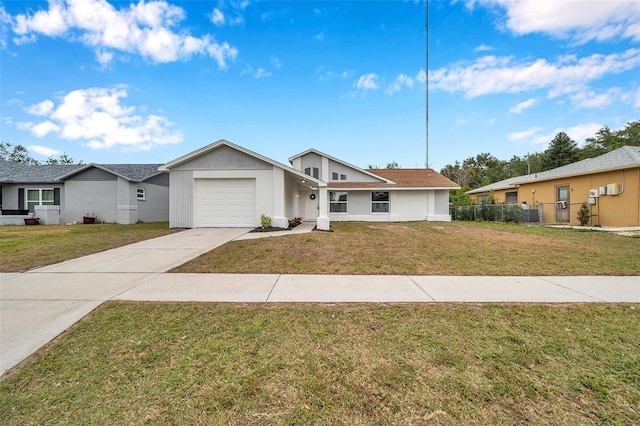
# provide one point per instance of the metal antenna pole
(426, 81)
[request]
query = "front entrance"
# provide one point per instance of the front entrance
(562, 204)
(312, 203)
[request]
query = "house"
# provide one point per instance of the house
(609, 184)
(225, 185)
(117, 193)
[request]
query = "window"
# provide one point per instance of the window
(38, 197)
(337, 202)
(141, 194)
(380, 202)
(334, 176)
(343, 177)
(511, 197)
(483, 198)
(312, 171)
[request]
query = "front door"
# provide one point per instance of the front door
(311, 205)
(562, 204)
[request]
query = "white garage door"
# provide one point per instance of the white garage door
(226, 203)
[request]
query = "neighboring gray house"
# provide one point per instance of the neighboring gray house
(115, 193)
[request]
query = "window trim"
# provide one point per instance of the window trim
(141, 191)
(40, 200)
(345, 202)
(387, 202)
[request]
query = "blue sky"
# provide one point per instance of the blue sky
(148, 81)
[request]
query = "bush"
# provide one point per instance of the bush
(265, 221)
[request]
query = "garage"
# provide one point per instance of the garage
(222, 203)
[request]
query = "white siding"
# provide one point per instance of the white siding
(181, 199)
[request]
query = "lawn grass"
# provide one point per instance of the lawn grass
(357, 364)
(428, 248)
(27, 247)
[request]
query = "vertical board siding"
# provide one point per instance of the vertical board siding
(224, 158)
(181, 198)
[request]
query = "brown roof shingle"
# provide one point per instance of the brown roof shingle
(403, 178)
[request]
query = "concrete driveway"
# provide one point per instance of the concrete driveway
(38, 305)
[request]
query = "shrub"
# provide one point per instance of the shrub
(265, 221)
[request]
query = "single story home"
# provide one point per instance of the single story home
(115, 193)
(609, 184)
(226, 185)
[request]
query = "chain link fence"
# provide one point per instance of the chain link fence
(496, 213)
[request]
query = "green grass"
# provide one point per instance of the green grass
(220, 364)
(27, 247)
(428, 248)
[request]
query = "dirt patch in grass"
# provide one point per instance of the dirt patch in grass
(135, 363)
(423, 248)
(27, 247)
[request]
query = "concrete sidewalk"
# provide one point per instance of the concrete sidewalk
(38, 305)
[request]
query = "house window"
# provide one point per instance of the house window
(38, 197)
(483, 198)
(380, 202)
(141, 194)
(343, 177)
(312, 171)
(337, 202)
(307, 171)
(316, 173)
(511, 197)
(334, 176)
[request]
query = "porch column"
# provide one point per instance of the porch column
(279, 219)
(323, 222)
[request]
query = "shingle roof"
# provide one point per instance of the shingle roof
(621, 158)
(402, 178)
(131, 172)
(26, 173)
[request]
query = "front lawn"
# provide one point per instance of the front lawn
(428, 248)
(27, 247)
(356, 364)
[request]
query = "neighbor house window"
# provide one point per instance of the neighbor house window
(483, 198)
(141, 194)
(380, 202)
(337, 202)
(512, 197)
(38, 197)
(334, 176)
(343, 177)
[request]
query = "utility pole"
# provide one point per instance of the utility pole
(426, 83)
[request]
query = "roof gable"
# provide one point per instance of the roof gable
(130, 172)
(337, 160)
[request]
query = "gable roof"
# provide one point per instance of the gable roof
(618, 159)
(130, 172)
(402, 178)
(222, 142)
(12, 172)
(337, 160)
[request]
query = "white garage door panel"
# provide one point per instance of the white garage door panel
(226, 202)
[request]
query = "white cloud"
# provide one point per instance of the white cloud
(43, 150)
(42, 108)
(319, 36)
(325, 74)
(591, 99)
(525, 134)
(217, 17)
(521, 106)
(144, 28)
(578, 133)
(97, 117)
(399, 83)
(493, 75)
(579, 20)
(483, 48)
(261, 72)
(367, 82)
(275, 62)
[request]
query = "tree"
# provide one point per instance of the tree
(561, 151)
(62, 159)
(607, 140)
(17, 154)
(393, 165)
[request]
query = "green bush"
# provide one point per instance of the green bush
(265, 221)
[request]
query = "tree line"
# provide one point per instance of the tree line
(485, 169)
(20, 154)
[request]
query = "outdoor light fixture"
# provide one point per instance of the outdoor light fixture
(304, 181)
